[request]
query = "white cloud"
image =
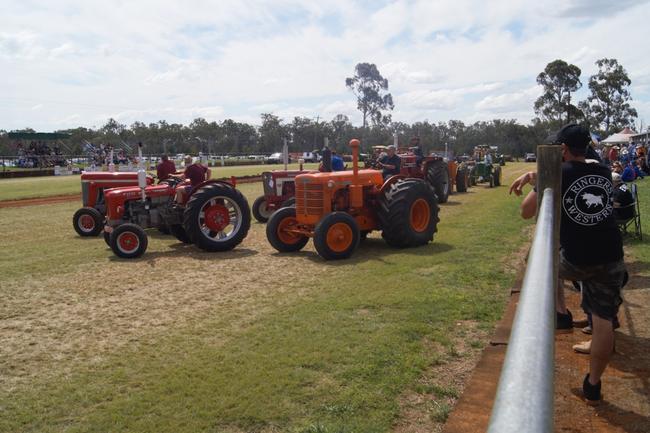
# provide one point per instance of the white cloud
(509, 102)
(444, 59)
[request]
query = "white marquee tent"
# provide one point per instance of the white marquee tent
(622, 137)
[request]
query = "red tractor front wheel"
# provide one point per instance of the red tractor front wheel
(87, 221)
(128, 241)
(261, 210)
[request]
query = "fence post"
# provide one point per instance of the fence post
(549, 175)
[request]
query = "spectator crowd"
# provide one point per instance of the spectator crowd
(38, 154)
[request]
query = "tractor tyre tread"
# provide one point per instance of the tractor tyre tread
(179, 233)
(437, 176)
(394, 213)
(461, 180)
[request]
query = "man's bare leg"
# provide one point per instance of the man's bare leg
(602, 344)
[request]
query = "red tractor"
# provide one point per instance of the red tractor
(279, 191)
(213, 215)
(438, 173)
(89, 220)
(338, 209)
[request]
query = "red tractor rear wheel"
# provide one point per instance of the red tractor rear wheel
(179, 233)
(336, 236)
(278, 231)
(87, 221)
(217, 217)
(128, 241)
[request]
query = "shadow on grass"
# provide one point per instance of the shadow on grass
(637, 281)
(188, 251)
(372, 249)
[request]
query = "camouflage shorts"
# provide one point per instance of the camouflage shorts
(601, 285)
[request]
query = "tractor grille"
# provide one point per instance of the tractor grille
(309, 198)
(85, 191)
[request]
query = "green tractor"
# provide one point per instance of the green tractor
(486, 167)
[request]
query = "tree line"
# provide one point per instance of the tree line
(302, 134)
(606, 110)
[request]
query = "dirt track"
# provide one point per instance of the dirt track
(72, 197)
(40, 200)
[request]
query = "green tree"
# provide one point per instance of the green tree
(607, 107)
(370, 88)
(342, 132)
(272, 133)
(559, 79)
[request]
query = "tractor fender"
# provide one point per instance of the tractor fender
(391, 180)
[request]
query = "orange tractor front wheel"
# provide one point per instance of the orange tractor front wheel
(336, 236)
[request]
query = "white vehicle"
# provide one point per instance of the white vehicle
(275, 158)
(311, 157)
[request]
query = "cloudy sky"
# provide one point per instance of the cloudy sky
(69, 63)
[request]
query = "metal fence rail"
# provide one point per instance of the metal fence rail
(524, 400)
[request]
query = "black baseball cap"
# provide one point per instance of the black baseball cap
(574, 136)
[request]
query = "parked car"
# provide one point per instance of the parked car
(275, 158)
(530, 157)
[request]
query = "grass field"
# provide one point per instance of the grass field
(46, 186)
(250, 340)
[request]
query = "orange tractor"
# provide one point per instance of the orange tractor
(339, 209)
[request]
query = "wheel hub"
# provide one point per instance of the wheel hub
(128, 242)
(87, 222)
(339, 237)
(217, 217)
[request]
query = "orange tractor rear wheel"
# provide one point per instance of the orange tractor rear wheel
(408, 214)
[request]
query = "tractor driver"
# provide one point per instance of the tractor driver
(417, 150)
(165, 169)
(195, 172)
(390, 163)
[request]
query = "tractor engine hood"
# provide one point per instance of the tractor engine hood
(117, 178)
(338, 179)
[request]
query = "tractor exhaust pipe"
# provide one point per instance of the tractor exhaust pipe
(142, 174)
(356, 189)
(354, 145)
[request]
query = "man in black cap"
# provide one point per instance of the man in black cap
(591, 245)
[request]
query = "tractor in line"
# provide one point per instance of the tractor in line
(440, 174)
(279, 191)
(213, 215)
(485, 166)
(339, 209)
(89, 219)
